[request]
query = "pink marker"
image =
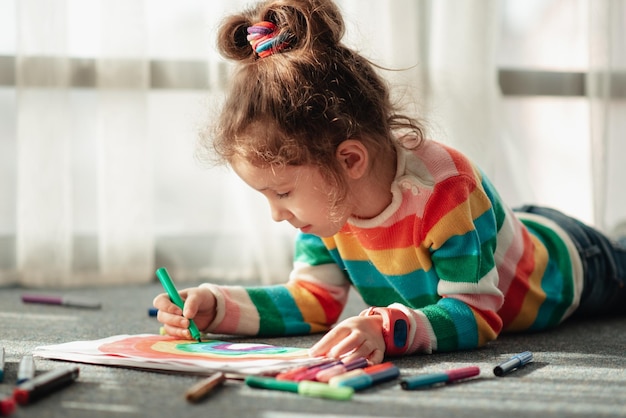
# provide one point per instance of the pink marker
(338, 369)
(311, 373)
(292, 373)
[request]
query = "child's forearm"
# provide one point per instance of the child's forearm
(299, 307)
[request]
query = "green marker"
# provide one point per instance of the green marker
(305, 387)
(169, 287)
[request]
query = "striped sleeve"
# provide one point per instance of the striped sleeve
(311, 301)
(462, 239)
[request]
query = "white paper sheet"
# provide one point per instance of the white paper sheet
(164, 353)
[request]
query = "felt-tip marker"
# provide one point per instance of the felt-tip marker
(70, 301)
(1, 363)
(334, 381)
(326, 374)
(436, 378)
(44, 384)
(369, 378)
(305, 388)
(169, 287)
(201, 389)
(292, 373)
(513, 363)
(26, 369)
(311, 373)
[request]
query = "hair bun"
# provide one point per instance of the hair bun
(232, 39)
(299, 24)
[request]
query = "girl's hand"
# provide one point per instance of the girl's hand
(200, 305)
(358, 336)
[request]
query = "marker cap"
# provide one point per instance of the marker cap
(463, 373)
(305, 388)
(356, 382)
(1, 363)
(322, 390)
(7, 405)
(271, 383)
(335, 380)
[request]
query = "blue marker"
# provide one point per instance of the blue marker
(419, 381)
(387, 372)
(513, 363)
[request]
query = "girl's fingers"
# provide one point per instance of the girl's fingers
(376, 357)
(351, 343)
(172, 320)
(177, 332)
(328, 341)
(163, 303)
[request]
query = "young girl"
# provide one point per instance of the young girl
(411, 224)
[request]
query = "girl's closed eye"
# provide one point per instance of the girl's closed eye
(282, 195)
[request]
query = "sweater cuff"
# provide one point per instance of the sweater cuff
(220, 307)
(395, 329)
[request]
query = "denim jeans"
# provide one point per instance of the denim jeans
(603, 261)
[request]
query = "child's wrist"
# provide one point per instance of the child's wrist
(395, 329)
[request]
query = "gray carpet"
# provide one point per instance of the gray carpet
(578, 371)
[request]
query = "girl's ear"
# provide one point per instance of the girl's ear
(353, 157)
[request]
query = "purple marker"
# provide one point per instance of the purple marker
(341, 368)
(311, 373)
(73, 301)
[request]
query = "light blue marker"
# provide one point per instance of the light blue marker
(26, 370)
(1, 363)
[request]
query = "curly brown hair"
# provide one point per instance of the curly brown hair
(296, 106)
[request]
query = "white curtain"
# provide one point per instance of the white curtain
(99, 183)
(43, 227)
(607, 100)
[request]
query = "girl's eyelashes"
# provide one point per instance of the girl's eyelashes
(282, 195)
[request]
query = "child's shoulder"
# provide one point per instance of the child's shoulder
(438, 162)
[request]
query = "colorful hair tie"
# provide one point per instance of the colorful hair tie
(265, 39)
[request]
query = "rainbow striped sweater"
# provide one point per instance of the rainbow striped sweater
(447, 252)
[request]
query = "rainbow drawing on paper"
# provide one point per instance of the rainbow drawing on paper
(160, 347)
(170, 354)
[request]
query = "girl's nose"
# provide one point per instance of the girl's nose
(279, 213)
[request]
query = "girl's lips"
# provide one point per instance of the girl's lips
(305, 228)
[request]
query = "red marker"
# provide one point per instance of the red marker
(7, 405)
(44, 384)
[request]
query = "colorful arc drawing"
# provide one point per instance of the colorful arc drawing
(165, 347)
